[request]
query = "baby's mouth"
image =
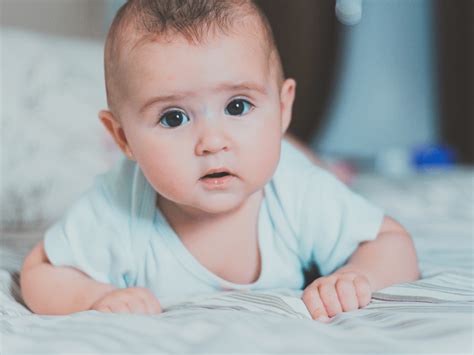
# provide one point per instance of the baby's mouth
(217, 178)
(215, 175)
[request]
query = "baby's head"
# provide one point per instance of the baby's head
(195, 87)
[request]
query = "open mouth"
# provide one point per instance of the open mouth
(217, 178)
(215, 175)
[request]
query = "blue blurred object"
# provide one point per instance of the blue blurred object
(399, 161)
(349, 12)
(433, 156)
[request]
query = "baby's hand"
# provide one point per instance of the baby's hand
(339, 292)
(128, 300)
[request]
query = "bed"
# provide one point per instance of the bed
(432, 315)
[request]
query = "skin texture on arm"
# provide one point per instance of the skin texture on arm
(51, 290)
(387, 260)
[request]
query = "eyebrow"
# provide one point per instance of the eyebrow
(244, 86)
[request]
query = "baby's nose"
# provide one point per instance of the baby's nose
(212, 141)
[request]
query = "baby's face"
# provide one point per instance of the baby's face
(193, 110)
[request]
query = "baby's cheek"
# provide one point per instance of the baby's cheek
(169, 181)
(264, 158)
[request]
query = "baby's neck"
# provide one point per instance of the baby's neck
(188, 223)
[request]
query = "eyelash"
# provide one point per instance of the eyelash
(177, 110)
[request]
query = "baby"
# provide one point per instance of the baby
(209, 197)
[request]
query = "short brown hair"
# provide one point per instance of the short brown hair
(192, 19)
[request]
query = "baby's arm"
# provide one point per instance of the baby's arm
(47, 289)
(389, 259)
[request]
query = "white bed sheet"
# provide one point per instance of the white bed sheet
(432, 315)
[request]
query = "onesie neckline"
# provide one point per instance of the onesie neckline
(188, 260)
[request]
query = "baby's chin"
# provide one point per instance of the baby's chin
(211, 206)
(220, 204)
(207, 204)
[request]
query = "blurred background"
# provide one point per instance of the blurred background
(389, 90)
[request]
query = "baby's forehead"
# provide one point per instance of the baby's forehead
(179, 65)
(140, 48)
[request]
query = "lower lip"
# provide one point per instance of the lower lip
(217, 182)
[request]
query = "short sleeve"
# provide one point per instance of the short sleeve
(335, 220)
(93, 237)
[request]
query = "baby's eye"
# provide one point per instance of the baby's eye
(238, 107)
(174, 118)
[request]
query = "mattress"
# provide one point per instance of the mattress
(431, 315)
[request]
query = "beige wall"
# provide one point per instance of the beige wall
(84, 18)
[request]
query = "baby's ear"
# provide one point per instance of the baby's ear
(287, 97)
(115, 129)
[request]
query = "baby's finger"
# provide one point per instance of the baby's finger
(314, 304)
(151, 303)
(347, 295)
(155, 307)
(363, 291)
(120, 307)
(328, 294)
(103, 309)
(137, 306)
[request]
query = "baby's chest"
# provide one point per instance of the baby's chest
(238, 262)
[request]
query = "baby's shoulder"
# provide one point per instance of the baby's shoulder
(295, 170)
(123, 184)
(299, 187)
(121, 175)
